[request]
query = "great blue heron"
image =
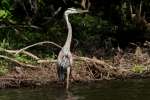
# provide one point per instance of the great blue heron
(64, 60)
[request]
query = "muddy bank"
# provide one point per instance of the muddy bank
(122, 65)
(84, 70)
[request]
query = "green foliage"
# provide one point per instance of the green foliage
(3, 14)
(31, 36)
(138, 68)
(3, 67)
(3, 70)
(24, 58)
(6, 4)
(4, 44)
(5, 9)
(104, 21)
(50, 55)
(92, 28)
(91, 25)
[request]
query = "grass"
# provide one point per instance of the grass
(138, 69)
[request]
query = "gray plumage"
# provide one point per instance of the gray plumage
(64, 60)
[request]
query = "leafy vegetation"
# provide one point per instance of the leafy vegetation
(3, 68)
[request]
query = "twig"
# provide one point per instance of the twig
(39, 43)
(20, 63)
(90, 71)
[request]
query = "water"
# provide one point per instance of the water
(105, 90)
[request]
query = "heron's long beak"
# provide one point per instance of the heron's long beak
(81, 11)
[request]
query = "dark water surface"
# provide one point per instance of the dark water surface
(105, 90)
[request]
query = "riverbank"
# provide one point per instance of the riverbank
(122, 65)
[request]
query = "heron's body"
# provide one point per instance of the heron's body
(64, 62)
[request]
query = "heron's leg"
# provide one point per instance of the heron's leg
(68, 74)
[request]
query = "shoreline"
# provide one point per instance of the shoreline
(47, 76)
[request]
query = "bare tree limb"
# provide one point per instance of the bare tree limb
(77, 58)
(31, 55)
(140, 8)
(131, 11)
(20, 63)
(22, 26)
(39, 43)
(29, 26)
(24, 52)
(47, 61)
(93, 60)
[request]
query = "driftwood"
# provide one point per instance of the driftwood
(39, 43)
(15, 52)
(15, 61)
(24, 52)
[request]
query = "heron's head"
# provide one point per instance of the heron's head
(74, 11)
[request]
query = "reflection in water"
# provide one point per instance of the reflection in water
(67, 95)
(70, 96)
(105, 90)
(38, 94)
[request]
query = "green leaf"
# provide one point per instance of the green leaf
(3, 14)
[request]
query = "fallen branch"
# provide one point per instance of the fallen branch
(77, 58)
(24, 52)
(39, 43)
(99, 65)
(20, 63)
(94, 60)
(29, 26)
(46, 61)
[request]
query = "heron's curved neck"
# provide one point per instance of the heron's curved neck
(69, 37)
